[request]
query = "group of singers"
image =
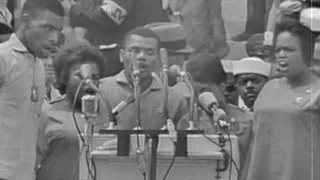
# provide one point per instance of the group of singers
(278, 133)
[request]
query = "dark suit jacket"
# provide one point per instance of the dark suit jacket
(105, 29)
(204, 24)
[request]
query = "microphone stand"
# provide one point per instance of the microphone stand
(192, 101)
(88, 133)
(154, 138)
(88, 115)
(219, 118)
(165, 66)
(137, 91)
(140, 153)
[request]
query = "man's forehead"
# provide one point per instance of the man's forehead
(46, 17)
(146, 42)
(94, 66)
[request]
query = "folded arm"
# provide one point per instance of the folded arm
(105, 17)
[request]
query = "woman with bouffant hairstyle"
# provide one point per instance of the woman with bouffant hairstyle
(72, 53)
(58, 137)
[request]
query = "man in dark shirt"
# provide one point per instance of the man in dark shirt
(106, 22)
(6, 20)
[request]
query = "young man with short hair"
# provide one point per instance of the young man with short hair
(22, 85)
(143, 45)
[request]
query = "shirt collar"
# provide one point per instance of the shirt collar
(242, 105)
(16, 44)
(155, 85)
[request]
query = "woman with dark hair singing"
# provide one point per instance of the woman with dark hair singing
(287, 138)
(58, 139)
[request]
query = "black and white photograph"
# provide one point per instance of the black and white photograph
(159, 89)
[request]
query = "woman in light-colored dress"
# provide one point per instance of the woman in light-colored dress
(286, 145)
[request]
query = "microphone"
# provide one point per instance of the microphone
(85, 74)
(136, 70)
(90, 106)
(175, 69)
(210, 104)
(172, 131)
(208, 101)
(123, 104)
(87, 102)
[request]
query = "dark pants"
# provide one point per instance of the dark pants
(257, 15)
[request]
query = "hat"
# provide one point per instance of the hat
(251, 65)
(255, 46)
(172, 36)
(310, 17)
(227, 65)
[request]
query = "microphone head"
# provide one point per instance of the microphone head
(207, 100)
(174, 69)
(85, 71)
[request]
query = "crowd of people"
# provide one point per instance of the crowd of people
(271, 97)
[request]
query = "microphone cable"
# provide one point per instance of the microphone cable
(231, 159)
(92, 174)
(78, 161)
(231, 154)
(171, 163)
(166, 118)
(74, 111)
(232, 162)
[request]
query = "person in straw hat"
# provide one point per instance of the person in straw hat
(251, 75)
